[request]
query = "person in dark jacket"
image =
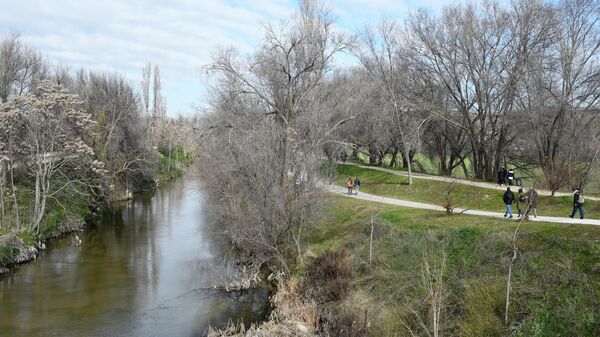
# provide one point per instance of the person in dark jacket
(356, 185)
(532, 203)
(577, 204)
(521, 202)
(509, 198)
(501, 176)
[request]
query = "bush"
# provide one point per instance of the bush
(349, 323)
(6, 255)
(328, 278)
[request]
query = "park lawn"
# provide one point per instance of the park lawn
(556, 277)
(462, 196)
(424, 164)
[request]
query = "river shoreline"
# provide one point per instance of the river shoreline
(152, 259)
(21, 252)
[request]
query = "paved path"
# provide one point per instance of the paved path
(459, 181)
(339, 190)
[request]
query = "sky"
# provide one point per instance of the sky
(179, 35)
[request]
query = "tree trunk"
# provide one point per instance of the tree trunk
(14, 193)
(409, 167)
(394, 158)
(372, 154)
(355, 152)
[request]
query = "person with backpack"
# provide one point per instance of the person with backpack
(532, 205)
(577, 203)
(356, 185)
(508, 198)
(521, 202)
(350, 185)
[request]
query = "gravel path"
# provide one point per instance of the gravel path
(460, 181)
(339, 190)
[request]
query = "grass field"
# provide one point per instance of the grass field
(435, 192)
(556, 278)
(424, 164)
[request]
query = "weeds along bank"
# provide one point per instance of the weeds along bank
(373, 270)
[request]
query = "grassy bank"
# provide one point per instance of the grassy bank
(556, 280)
(171, 165)
(463, 196)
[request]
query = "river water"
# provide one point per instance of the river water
(140, 271)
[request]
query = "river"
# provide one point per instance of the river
(139, 271)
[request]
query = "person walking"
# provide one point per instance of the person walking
(508, 198)
(577, 203)
(511, 177)
(501, 176)
(521, 202)
(350, 185)
(356, 185)
(532, 203)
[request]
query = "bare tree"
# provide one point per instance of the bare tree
(478, 53)
(21, 68)
(263, 143)
(380, 55)
(146, 77)
(121, 139)
(560, 94)
(157, 106)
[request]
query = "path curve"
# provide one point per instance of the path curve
(480, 184)
(339, 190)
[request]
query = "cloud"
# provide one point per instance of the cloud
(179, 35)
(123, 36)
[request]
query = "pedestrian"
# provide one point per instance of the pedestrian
(511, 176)
(521, 202)
(350, 185)
(532, 203)
(501, 175)
(509, 198)
(356, 185)
(577, 203)
(344, 157)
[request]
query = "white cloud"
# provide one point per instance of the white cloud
(122, 36)
(179, 35)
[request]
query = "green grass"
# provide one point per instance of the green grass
(425, 164)
(556, 277)
(173, 166)
(463, 196)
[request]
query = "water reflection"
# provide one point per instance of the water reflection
(138, 272)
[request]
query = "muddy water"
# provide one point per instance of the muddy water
(139, 271)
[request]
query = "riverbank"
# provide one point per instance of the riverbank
(147, 268)
(68, 215)
(390, 268)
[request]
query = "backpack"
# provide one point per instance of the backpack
(581, 200)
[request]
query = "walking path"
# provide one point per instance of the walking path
(391, 201)
(459, 181)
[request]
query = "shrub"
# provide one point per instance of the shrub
(328, 278)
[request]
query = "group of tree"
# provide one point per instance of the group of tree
(473, 88)
(482, 85)
(67, 136)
